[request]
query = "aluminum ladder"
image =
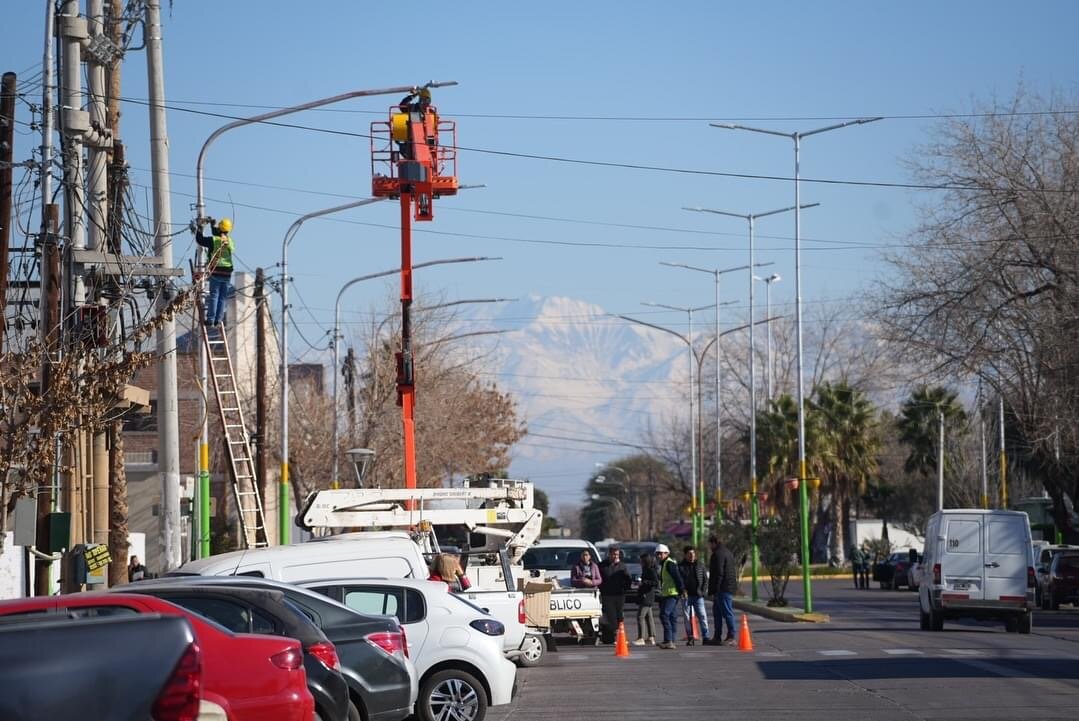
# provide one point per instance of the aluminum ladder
(237, 442)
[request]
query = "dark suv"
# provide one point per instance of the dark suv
(1064, 579)
(266, 611)
(381, 680)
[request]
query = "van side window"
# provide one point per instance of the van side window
(1006, 537)
(963, 537)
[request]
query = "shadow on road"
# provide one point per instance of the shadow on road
(885, 668)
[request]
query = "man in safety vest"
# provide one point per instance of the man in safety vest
(671, 589)
(220, 247)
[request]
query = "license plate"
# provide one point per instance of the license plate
(960, 585)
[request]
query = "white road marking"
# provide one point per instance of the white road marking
(963, 651)
(838, 653)
(903, 652)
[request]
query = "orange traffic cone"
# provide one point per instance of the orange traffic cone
(621, 645)
(695, 627)
(745, 642)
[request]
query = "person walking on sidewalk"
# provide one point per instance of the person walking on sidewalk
(695, 577)
(220, 248)
(646, 598)
(671, 588)
(612, 592)
(858, 564)
(721, 587)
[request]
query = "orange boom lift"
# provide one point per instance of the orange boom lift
(414, 158)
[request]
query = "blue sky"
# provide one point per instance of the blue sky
(757, 62)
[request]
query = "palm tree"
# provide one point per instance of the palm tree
(777, 443)
(919, 428)
(848, 442)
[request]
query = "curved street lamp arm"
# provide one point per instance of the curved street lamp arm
(677, 335)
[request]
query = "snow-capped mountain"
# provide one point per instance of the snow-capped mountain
(586, 383)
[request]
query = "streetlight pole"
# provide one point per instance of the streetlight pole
(283, 485)
(200, 213)
(803, 491)
(768, 312)
(335, 345)
(715, 273)
(696, 492)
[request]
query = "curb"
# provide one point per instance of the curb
(784, 616)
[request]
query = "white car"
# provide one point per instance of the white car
(455, 646)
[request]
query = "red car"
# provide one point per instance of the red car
(252, 677)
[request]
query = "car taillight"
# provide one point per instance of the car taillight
(488, 626)
(1031, 577)
(392, 642)
(179, 698)
(521, 617)
(936, 573)
(290, 658)
(326, 653)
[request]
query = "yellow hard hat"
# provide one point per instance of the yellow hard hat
(225, 224)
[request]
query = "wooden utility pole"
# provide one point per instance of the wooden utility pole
(261, 392)
(7, 148)
(49, 318)
(349, 371)
(118, 509)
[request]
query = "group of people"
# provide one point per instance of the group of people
(860, 561)
(668, 584)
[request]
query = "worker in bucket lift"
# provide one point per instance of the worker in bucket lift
(414, 102)
(220, 248)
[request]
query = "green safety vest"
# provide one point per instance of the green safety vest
(222, 250)
(667, 586)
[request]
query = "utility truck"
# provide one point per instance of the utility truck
(494, 523)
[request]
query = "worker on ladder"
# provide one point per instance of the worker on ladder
(220, 247)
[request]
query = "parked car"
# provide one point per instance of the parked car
(382, 681)
(631, 556)
(389, 554)
(266, 611)
(455, 645)
(69, 669)
(979, 564)
(894, 571)
(251, 677)
(1063, 579)
(1043, 557)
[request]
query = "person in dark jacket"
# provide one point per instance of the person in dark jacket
(695, 577)
(721, 587)
(612, 592)
(671, 588)
(646, 598)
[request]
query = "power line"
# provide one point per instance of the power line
(627, 165)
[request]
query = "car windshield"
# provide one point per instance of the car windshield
(1069, 561)
(553, 558)
(631, 552)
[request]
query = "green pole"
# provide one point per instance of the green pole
(754, 523)
(282, 507)
(803, 502)
(204, 500)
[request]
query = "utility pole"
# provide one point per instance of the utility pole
(940, 462)
(985, 475)
(261, 392)
(7, 151)
(49, 311)
(1003, 460)
(167, 410)
(349, 372)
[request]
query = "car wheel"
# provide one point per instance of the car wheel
(355, 714)
(532, 650)
(923, 620)
(1026, 623)
(1054, 602)
(1011, 624)
(452, 694)
(936, 620)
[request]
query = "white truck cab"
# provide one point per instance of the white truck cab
(977, 564)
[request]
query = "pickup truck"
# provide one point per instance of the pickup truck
(64, 669)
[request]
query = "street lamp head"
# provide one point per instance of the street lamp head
(774, 277)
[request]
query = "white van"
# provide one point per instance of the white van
(977, 564)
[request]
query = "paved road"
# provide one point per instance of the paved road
(870, 662)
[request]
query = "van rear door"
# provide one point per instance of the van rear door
(962, 567)
(1007, 558)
